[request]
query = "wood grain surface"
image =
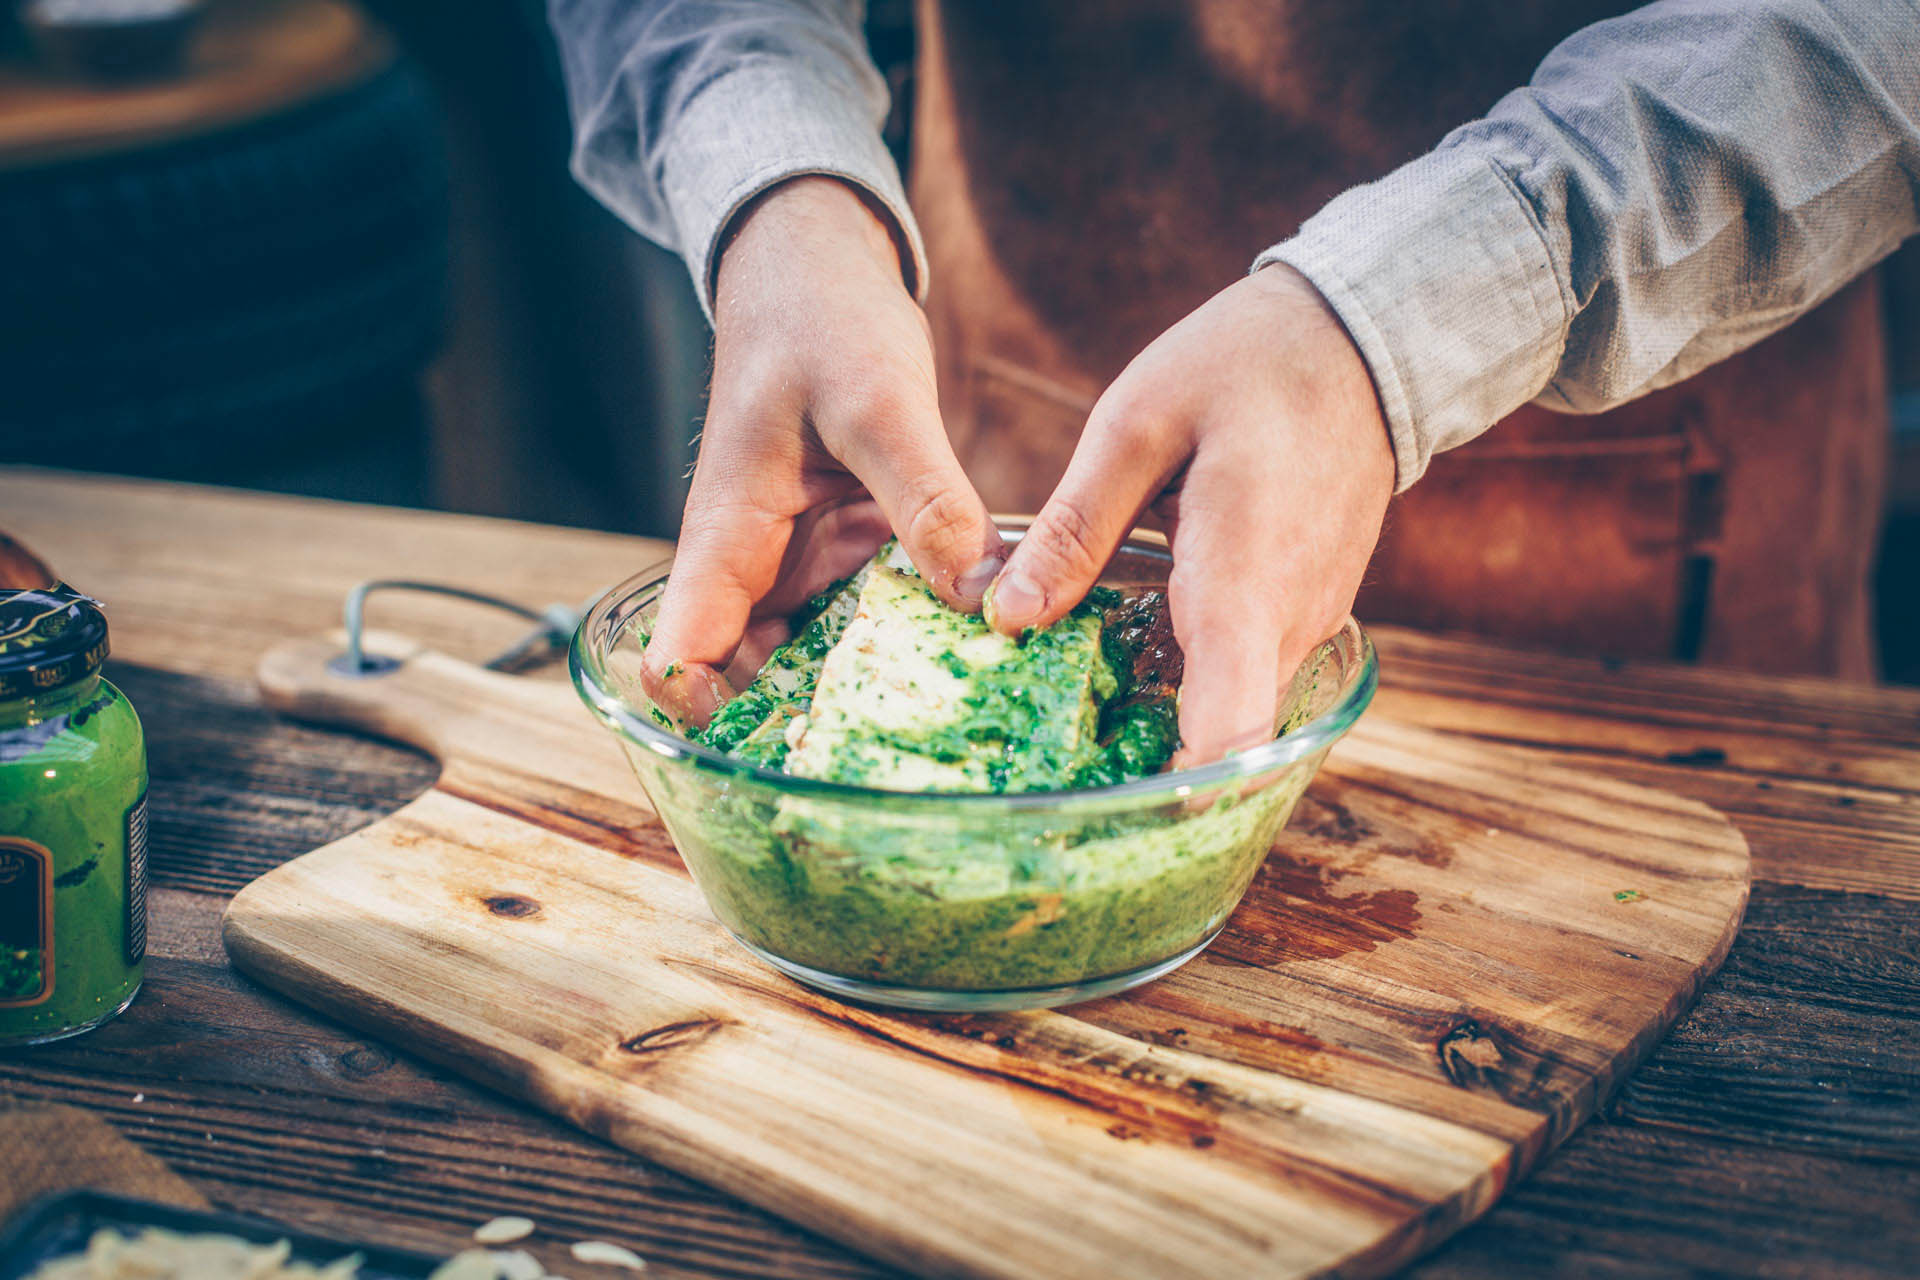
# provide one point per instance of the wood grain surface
(1429, 985)
(1776, 1132)
(204, 581)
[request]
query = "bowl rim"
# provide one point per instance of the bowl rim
(587, 668)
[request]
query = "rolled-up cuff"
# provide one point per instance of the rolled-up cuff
(760, 125)
(1442, 277)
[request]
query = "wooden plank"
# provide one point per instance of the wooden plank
(203, 580)
(1819, 810)
(1627, 1199)
(1653, 1189)
(1505, 991)
(1821, 776)
(822, 1121)
(274, 1112)
(1823, 1010)
(237, 790)
(240, 577)
(1653, 691)
(416, 1155)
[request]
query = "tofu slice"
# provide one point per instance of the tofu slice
(752, 723)
(918, 697)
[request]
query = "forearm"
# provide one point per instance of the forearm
(685, 110)
(1671, 187)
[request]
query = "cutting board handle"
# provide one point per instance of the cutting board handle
(519, 734)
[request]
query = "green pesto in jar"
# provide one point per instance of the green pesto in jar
(73, 844)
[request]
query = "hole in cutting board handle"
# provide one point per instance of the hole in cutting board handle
(556, 624)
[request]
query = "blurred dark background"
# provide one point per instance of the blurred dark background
(333, 250)
(336, 251)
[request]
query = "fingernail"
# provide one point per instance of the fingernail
(690, 692)
(1013, 601)
(972, 585)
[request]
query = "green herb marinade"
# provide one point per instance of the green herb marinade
(968, 899)
(1029, 719)
(893, 899)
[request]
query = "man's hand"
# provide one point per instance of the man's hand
(1253, 429)
(823, 433)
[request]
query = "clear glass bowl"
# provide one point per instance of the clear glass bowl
(965, 903)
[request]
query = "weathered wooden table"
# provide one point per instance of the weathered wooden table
(1777, 1132)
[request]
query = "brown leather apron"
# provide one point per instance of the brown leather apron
(1088, 171)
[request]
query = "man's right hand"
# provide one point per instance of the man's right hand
(823, 434)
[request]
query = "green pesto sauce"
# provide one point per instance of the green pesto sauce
(959, 898)
(954, 902)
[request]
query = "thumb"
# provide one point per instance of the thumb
(906, 462)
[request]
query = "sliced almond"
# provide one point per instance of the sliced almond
(607, 1255)
(504, 1230)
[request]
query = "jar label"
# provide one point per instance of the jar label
(26, 923)
(137, 881)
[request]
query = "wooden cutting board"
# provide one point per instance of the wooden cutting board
(1451, 958)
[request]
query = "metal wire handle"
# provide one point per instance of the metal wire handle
(557, 624)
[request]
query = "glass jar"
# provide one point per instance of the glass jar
(73, 822)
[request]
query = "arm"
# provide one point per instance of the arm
(1673, 186)
(685, 110)
(746, 134)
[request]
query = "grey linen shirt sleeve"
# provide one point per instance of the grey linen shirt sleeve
(684, 110)
(1672, 186)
